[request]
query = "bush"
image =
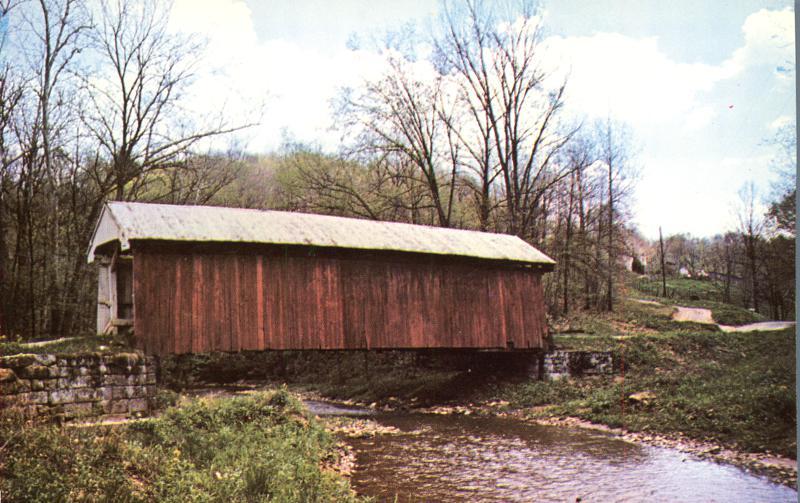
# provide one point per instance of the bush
(260, 448)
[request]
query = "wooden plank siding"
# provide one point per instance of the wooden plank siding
(198, 301)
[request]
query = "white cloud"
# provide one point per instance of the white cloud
(780, 122)
(699, 118)
(676, 109)
(698, 196)
(636, 81)
(769, 40)
(224, 22)
(631, 78)
(285, 87)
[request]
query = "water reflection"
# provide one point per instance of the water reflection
(454, 458)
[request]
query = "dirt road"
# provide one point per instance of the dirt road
(702, 315)
(760, 327)
(693, 314)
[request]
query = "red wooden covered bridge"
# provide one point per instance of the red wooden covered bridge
(193, 279)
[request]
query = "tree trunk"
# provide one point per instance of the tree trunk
(568, 243)
(663, 266)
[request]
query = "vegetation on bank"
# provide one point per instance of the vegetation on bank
(736, 389)
(79, 344)
(259, 448)
(727, 314)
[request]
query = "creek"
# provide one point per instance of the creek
(467, 458)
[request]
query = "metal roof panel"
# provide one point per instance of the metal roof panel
(219, 224)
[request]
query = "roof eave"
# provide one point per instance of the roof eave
(544, 266)
(121, 237)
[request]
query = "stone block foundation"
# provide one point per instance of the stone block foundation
(76, 385)
(560, 364)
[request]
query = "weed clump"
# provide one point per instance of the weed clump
(259, 448)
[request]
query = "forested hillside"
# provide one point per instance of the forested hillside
(470, 133)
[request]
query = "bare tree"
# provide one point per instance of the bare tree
(477, 114)
(44, 52)
(134, 113)
(750, 228)
(398, 120)
(724, 262)
(495, 55)
(580, 154)
(782, 213)
(614, 147)
(329, 185)
(11, 93)
(72, 134)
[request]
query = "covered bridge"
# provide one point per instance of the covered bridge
(193, 279)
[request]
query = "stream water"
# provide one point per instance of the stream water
(457, 458)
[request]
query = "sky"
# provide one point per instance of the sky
(702, 86)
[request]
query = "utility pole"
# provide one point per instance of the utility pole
(663, 269)
(611, 256)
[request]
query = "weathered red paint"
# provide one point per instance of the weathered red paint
(190, 300)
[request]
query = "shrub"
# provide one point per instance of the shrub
(259, 448)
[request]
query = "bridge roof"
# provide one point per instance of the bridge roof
(125, 222)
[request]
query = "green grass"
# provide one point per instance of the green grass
(683, 288)
(738, 389)
(84, 344)
(591, 331)
(257, 449)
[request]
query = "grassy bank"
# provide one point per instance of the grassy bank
(259, 448)
(735, 389)
(630, 318)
